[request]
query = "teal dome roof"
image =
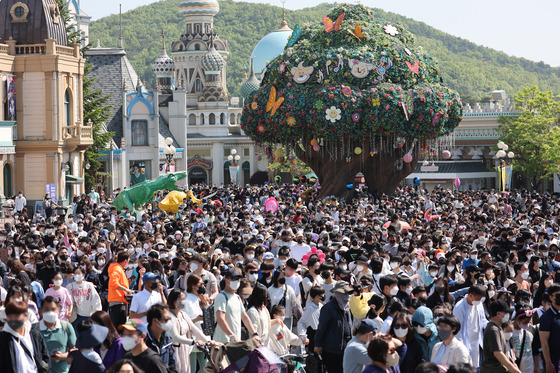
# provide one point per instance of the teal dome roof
(271, 46)
(251, 85)
(212, 61)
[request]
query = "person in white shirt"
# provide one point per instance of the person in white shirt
(20, 202)
(307, 325)
(298, 250)
(84, 296)
(152, 294)
(293, 279)
(71, 223)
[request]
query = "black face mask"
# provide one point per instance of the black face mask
(282, 281)
(50, 263)
(325, 274)
(317, 271)
(201, 290)
(181, 272)
(322, 298)
(407, 263)
(64, 257)
(235, 239)
(15, 324)
(154, 285)
(440, 289)
(354, 243)
(265, 274)
(299, 240)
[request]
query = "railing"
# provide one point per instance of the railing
(481, 133)
(77, 131)
(4, 48)
(68, 51)
(31, 49)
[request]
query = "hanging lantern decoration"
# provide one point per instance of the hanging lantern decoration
(446, 154)
(316, 147)
(278, 153)
(314, 142)
(357, 150)
(407, 158)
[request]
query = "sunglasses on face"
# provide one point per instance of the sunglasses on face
(400, 326)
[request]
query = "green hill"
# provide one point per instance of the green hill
(472, 70)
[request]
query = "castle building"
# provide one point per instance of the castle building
(42, 133)
(80, 18)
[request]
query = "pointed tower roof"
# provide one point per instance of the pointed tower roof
(251, 85)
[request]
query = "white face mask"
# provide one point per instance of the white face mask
(474, 257)
(409, 290)
(80, 253)
(146, 246)
(166, 326)
(101, 263)
(433, 274)
(508, 336)
(400, 333)
(420, 329)
(476, 302)
(491, 293)
(394, 265)
(57, 282)
(253, 277)
(250, 256)
(450, 268)
(129, 343)
(193, 267)
(50, 316)
(392, 359)
(359, 268)
(78, 278)
(394, 290)
(506, 318)
(282, 318)
(234, 285)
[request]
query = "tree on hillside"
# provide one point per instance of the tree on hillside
(352, 94)
(96, 110)
(534, 135)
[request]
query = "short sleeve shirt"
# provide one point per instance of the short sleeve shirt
(232, 306)
(142, 301)
(493, 341)
(550, 322)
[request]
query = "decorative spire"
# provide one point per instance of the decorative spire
(252, 71)
(98, 44)
(163, 51)
(284, 25)
(245, 71)
(120, 25)
(211, 38)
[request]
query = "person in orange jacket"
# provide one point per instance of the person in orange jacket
(118, 288)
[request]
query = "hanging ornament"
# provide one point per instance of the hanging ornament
(316, 147)
(278, 153)
(314, 142)
(446, 154)
(259, 157)
(349, 158)
(357, 150)
(373, 152)
(407, 158)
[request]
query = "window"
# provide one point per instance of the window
(246, 168)
(139, 133)
(212, 118)
(192, 120)
(197, 47)
(227, 177)
(246, 152)
(197, 29)
(198, 85)
(222, 118)
(19, 11)
(67, 113)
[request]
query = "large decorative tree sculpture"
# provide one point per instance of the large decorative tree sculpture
(352, 94)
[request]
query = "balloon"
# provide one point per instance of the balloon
(457, 183)
(446, 154)
(357, 150)
(271, 205)
(349, 186)
(278, 153)
(416, 181)
(277, 179)
(407, 158)
(303, 179)
(295, 180)
(259, 157)
(316, 147)
(314, 142)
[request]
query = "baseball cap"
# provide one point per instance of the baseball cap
(342, 287)
(500, 306)
(366, 326)
(268, 256)
(135, 324)
(233, 273)
(149, 276)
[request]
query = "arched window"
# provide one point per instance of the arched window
(232, 119)
(198, 85)
(202, 119)
(197, 27)
(212, 119)
(222, 118)
(246, 168)
(197, 47)
(67, 114)
(7, 180)
(192, 120)
(227, 178)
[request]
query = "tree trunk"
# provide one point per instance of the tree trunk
(380, 172)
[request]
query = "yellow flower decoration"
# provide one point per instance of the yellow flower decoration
(375, 102)
(254, 105)
(291, 121)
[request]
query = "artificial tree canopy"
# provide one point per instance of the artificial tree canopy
(348, 79)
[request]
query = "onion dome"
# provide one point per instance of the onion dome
(212, 62)
(199, 7)
(251, 85)
(163, 66)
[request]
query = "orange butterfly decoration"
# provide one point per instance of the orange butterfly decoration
(330, 25)
(414, 68)
(357, 32)
(273, 104)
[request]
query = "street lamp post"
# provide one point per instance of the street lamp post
(169, 151)
(234, 159)
(503, 156)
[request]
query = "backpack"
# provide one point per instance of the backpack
(209, 317)
(302, 292)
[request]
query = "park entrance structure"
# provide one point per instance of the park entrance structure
(352, 94)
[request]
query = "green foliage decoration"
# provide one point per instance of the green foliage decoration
(365, 83)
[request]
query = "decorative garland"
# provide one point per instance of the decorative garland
(351, 77)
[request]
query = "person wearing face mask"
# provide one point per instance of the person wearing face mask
(196, 266)
(361, 268)
(522, 339)
(495, 347)
(386, 354)
(150, 295)
(335, 327)
(313, 278)
(472, 259)
(450, 350)
(521, 275)
(46, 274)
(425, 330)
(280, 293)
(134, 333)
(300, 248)
(267, 270)
(199, 224)
(355, 357)
(86, 359)
(23, 347)
(63, 296)
(281, 337)
(58, 335)
(389, 288)
(183, 333)
(85, 298)
(401, 329)
(550, 331)
(470, 313)
(309, 321)
(229, 311)
(160, 329)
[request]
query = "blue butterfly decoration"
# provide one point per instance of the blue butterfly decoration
(296, 34)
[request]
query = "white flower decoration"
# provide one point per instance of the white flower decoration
(333, 114)
(391, 30)
(340, 49)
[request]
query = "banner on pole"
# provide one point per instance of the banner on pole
(234, 174)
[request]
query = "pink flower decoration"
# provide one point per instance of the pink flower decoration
(314, 251)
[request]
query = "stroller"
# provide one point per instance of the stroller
(247, 357)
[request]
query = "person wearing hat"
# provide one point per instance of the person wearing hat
(150, 295)
(470, 313)
(355, 355)
(425, 332)
(335, 327)
(300, 248)
(495, 348)
(229, 311)
(134, 332)
(472, 259)
(86, 359)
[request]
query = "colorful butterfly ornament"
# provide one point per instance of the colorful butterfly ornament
(408, 105)
(296, 34)
(333, 26)
(273, 104)
(414, 68)
(357, 33)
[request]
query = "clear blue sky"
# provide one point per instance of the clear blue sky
(520, 28)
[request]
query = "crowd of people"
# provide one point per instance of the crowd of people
(440, 281)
